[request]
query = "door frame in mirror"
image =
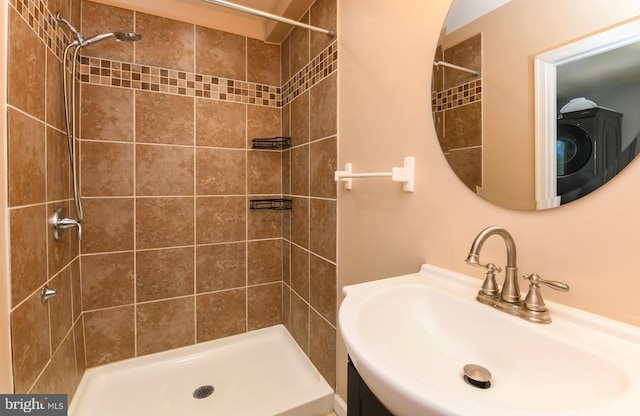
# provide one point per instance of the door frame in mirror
(545, 101)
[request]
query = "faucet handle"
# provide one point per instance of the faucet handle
(489, 287)
(534, 301)
(537, 280)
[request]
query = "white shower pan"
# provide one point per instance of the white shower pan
(259, 373)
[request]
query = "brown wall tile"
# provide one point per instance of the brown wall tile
(463, 127)
(30, 339)
(264, 223)
(300, 271)
(286, 307)
(265, 261)
(108, 225)
(322, 347)
(109, 335)
(322, 233)
(467, 53)
(221, 314)
(152, 123)
(300, 222)
(299, 47)
(26, 156)
(164, 222)
(262, 122)
(263, 62)
(60, 308)
(59, 376)
(76, 290)
(164, 170)
(300, 119)
(220, 171)
(100, 18)
(106, 168)
(221, 266)
(286, 260)
(220, 219)
(300, 170)
(164, 273)
(166, 43)
(323, 14)
(285, 52)
(58, 173)
(221, 123)
(81, 359)
(467, 164)
(106, 113)
(264, 304)
(55, 93)
(322, 288)
(300, 321)
(286, 120)
(165, 325)
(220, 53)
(324, 110)
(264, 172)
(107, 280)
(323, 164)
(286, 172)
(26, 88)
(28, 236)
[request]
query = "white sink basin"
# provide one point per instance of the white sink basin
(410, 337)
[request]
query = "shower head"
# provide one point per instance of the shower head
(127, 36)
(119, 36)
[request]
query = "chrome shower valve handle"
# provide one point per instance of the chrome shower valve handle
(60, 222)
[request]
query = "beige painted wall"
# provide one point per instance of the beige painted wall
(6, 385)
(512, 37)
(386, 55)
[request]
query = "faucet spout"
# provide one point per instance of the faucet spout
(510, 291)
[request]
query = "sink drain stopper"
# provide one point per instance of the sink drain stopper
(477, 376)
(203, 392)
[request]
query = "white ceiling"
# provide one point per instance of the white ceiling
(463, 12)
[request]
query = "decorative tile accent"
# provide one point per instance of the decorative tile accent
(320, 67)
(150, 78)
(458, 96)
(143, 77)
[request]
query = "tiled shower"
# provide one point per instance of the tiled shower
(457, 109)
(171, 254)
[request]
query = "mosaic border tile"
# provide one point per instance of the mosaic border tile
(150, 78)
(127, 75)
(457, 96)
(320, 67)
(137, 76)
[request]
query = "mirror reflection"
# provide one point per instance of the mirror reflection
(486, 102)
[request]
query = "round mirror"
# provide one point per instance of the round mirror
(537, 103)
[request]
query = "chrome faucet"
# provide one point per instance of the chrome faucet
(508, 299)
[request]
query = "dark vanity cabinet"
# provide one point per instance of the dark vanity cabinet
(360, 399)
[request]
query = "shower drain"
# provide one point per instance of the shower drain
(203, 392)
